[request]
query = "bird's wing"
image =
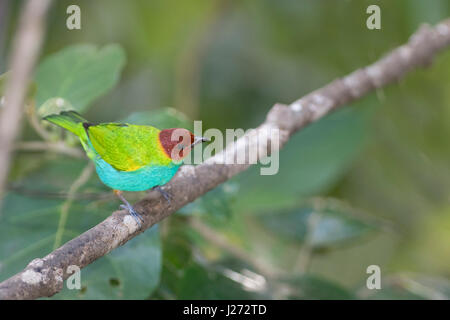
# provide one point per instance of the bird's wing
(126, 147)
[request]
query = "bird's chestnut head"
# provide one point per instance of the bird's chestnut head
(178, 142)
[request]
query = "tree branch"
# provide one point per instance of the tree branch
(57, 147)
(26, 48)
(44, 277)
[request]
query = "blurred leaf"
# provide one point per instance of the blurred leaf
(313, 287)
(28, 229)
(430, 244)
(79, 74)
(323, 229)
(163, 118)
(130, 272)
(177, 256)
(216, 204)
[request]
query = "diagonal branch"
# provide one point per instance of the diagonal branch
(44, 277)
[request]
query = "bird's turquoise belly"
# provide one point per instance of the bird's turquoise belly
(143, 179)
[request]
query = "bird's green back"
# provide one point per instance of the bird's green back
(127, 147)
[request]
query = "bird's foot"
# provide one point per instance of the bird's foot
(164, 193)
(127, 206)
(137, 217)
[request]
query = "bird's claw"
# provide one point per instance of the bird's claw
(165, 194)
(137, 217)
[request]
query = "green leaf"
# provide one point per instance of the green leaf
(163, 118)
(79, 74)
(177, 256)
(129, 272)
(312, 287)
(323, 229)
(29, 223)
(216, 204)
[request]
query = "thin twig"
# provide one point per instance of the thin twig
(45, 277)
(407, 281)
(35, 122)
(77, 184)
(60, 195)
(58, 147)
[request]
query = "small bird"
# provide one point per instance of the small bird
(130, 157)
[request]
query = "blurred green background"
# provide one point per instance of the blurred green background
(367, 185)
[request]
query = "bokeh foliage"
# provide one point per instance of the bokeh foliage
(366, 185)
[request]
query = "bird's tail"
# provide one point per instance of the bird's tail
(75, 123)
(69, 120)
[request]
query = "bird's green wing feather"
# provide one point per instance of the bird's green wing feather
(127, 147)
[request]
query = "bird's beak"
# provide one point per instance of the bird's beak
(198, 139)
